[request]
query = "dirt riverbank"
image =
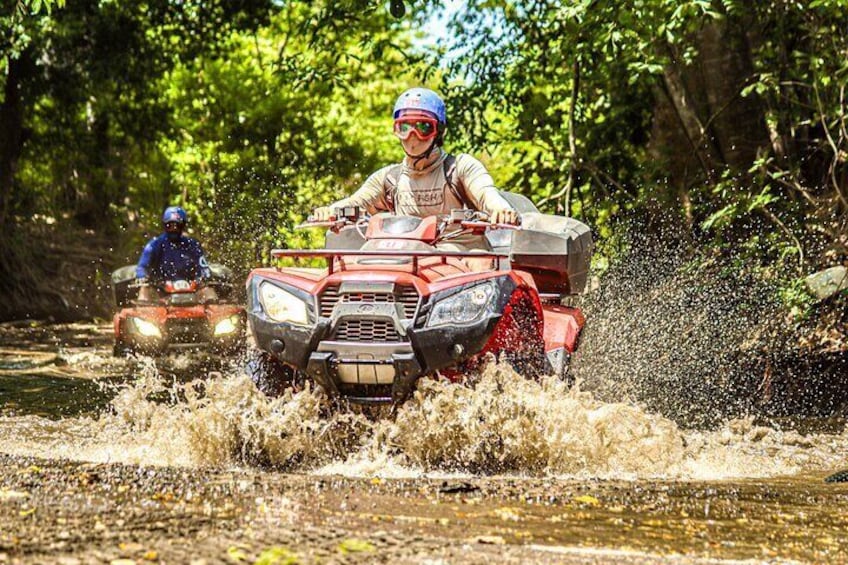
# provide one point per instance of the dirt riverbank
(76, 488)
(70, 512)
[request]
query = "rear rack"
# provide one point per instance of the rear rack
(332, 254)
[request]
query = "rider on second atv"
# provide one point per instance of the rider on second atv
(429, 181)
(172, 256)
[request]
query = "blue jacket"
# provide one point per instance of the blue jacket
(166, 260)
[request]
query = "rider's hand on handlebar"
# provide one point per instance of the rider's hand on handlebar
(504, 216)
(323, 214)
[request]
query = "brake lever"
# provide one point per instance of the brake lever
(483, 226)
(308, 224)
(334, 224)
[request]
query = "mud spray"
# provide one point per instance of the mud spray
(661, 392)
(680, 340)
(504, 424)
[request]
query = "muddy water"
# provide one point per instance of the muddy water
(111, 459)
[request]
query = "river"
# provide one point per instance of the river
(180, 460)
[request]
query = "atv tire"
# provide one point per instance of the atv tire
(560, 362)
(269, 375)
(120, 350)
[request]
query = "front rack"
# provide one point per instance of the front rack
(337, 254)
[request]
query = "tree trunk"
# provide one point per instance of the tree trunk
(11, 133)
(93, 207)
(700, 141)
(718, 128)
(736, 122)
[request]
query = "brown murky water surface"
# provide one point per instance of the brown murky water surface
(181, 460)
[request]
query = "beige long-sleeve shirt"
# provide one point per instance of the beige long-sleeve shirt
(426, 192)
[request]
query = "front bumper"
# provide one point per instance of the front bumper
(376, 371)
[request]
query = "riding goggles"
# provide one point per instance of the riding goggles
(423, 128)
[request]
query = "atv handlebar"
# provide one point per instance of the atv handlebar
(476, 220)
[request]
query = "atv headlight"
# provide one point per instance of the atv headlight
(281, 305)
(145, 328)
(464, 307)
(226, 326)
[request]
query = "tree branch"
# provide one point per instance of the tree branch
(833, 146)
(788, 232)
(572, 148)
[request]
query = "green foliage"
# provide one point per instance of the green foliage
(613, 104)
(262, 136)
(725, 116)
(797, 299)
(247, 115)
(596, 50)
(18, 22)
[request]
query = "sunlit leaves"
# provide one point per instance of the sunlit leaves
(287, 121)
(615, 56)
(19, 23)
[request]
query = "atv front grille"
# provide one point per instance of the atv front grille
(366, 330)
(187, 330)
(407, 296)
(365, 393)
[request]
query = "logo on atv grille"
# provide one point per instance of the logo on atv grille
(365, 308)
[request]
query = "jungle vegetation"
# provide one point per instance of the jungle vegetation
(723, 118)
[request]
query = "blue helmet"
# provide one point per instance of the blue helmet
(421, 99)
(174, 214)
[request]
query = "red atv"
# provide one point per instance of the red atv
(391, 307)
(178, 319)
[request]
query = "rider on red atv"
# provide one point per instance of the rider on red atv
(183, 302)
(428, 181)
(172, 256)
(421, 288)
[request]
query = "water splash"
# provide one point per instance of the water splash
(682, 337)
(506, 423)
(501, 423)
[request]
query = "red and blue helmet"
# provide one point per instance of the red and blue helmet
(174, 214)
(422, 100)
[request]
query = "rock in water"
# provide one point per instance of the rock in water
(828, 282)
(840, 477)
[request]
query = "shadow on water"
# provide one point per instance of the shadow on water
(53, 396)
(66, 371)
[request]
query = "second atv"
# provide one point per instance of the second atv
(178, 319)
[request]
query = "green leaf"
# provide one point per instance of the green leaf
(355, 545)
(722, 216)
(277, 555)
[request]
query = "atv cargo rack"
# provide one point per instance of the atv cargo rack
(332, 254)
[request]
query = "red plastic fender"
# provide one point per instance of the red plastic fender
(520, 326)
(562, 327)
